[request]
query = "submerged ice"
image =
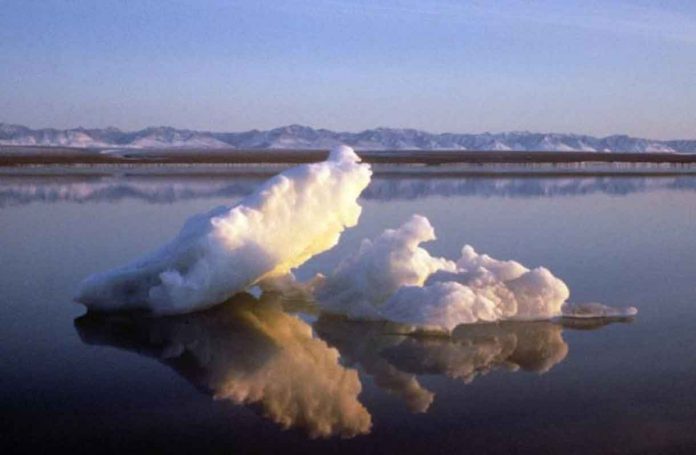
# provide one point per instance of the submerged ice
(292, 217)
(393, 278)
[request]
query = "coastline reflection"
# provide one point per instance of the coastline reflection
(26, 189)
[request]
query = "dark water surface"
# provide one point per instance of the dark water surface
(253, 375)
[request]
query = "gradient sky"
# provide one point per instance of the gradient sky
(596, 67)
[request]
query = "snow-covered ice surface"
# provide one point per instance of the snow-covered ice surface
(290, 218)
(393, 278)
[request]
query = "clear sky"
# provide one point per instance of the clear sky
(596, 67)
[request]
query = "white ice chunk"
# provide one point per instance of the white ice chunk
(393, 278)
(290, 218)
(363, 282)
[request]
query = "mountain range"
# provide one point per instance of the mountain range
(303, 137)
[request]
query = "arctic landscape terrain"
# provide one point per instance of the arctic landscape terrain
(296, 137)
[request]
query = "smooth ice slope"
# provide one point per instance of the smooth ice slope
(290, 218)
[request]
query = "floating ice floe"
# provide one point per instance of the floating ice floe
(302, 212)
(290, 218)
(393, 278)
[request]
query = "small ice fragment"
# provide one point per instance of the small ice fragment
(596, 310)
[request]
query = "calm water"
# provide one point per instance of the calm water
(250, 376)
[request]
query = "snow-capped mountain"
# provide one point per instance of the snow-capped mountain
(303, 137)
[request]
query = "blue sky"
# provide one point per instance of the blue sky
(596, 67)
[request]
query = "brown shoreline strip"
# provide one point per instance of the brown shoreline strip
(22, 156)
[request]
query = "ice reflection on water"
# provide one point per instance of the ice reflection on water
(253, 352)
(249, 352)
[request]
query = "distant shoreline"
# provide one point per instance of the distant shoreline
(17, 156)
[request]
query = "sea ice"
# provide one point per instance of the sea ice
(393, 278)
(290, 218)
(596, 310)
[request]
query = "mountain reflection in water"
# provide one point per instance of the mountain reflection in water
(252, 352)
(23, 190)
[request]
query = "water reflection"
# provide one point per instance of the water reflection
(395, 360)
(253, 352)
(22, 190)
(474, 350)
(248, 352)
(361, 343)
